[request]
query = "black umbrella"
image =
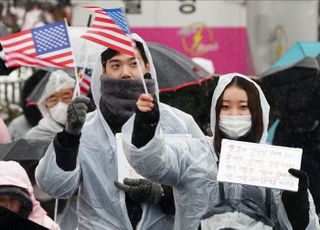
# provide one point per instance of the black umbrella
(175, 70)
(194, 100)
(25, 151)
(13, 221)
(290, 87)
(183, 83)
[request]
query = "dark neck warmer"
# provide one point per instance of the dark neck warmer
(119, 97)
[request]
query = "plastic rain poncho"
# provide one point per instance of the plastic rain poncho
(190, 167)
(100, 203)
(47, 127)
(12, 174)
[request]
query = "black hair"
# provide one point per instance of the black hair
(109, 53)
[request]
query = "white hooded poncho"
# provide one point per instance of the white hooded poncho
(99, 203)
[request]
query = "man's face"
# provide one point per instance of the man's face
(123, 66)
(10, 202)
(64, 95)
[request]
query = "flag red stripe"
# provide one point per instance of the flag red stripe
(52, 58)
(116, 30)
(61, 55)
(22, 62)
(100, 12)
(109, 36)
(87, 77)
(66, 63)
(104, 19)
(85, 85)
(34, 61)
(23, 50)
(84, 91)
(107, 44)
(11, 36)
(86, 81)
(17, 43)
(92, 7)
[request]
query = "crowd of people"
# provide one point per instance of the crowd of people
(78, 173)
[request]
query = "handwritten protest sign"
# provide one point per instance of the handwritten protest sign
(259, 164)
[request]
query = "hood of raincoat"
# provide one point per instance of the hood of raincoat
(98, 71)
(48, 127)
(58, 80)
(224, 80)
(13, 174)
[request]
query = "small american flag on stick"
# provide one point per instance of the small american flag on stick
(85, 80)
(110, 29)
(47, 45)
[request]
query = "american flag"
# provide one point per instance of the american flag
(85, 80)
(110, 29)
(46, 45)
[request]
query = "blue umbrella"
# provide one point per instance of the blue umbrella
(298, 52)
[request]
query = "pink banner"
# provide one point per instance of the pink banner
(228, 48)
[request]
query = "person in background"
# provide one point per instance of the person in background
(85, 157)
(53, 105)
(34, 16)
(16, 194)
(4, 133)
(31, 115)
(239, 111)
(3, 28)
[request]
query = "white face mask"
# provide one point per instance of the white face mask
(235, 126)
(59, 113)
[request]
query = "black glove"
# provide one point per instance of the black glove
(167, 201)
(141, 190)
(145, 124)
(297, 203)
(76, 117)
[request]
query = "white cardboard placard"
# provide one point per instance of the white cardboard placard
(258, 164)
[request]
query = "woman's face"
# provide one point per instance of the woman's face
(235, 102)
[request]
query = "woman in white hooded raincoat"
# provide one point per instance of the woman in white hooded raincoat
(190, 166)
(99, 200)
